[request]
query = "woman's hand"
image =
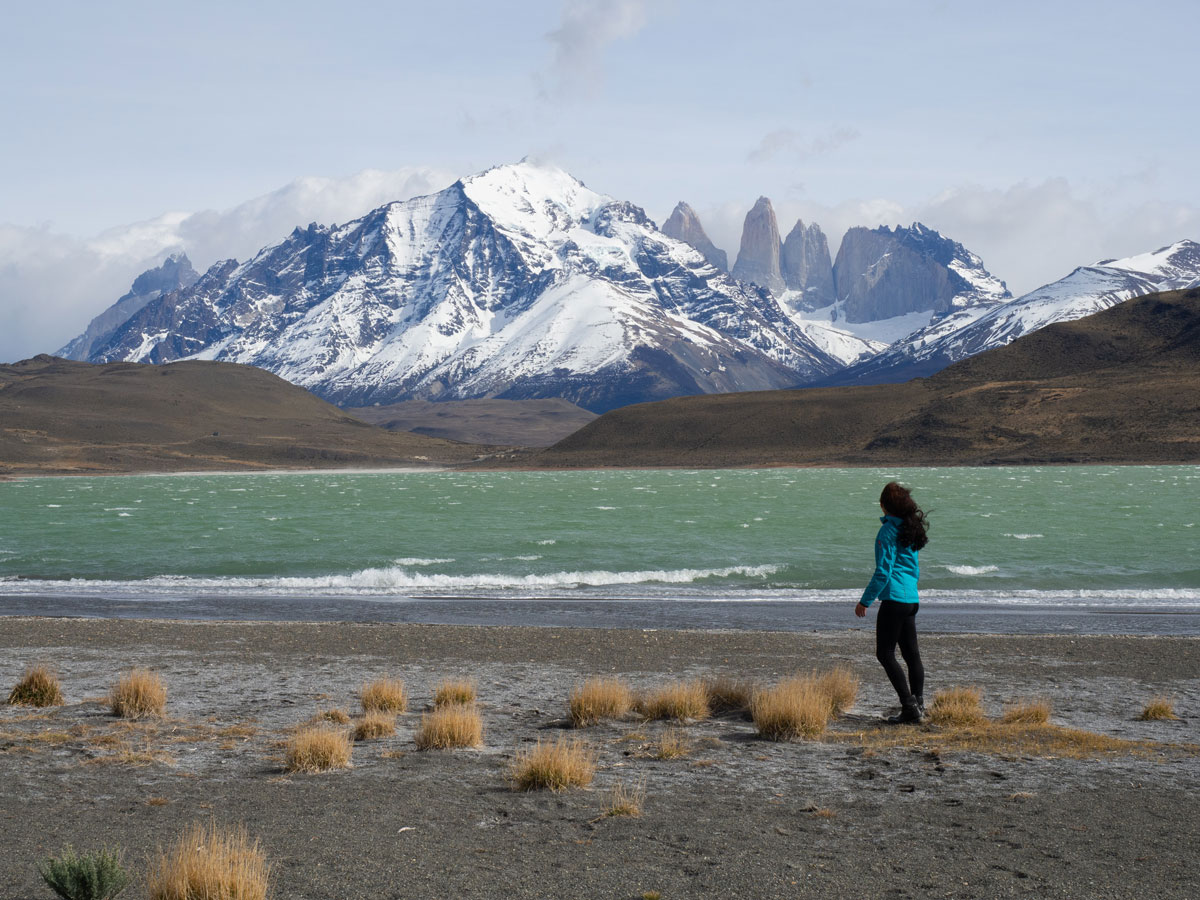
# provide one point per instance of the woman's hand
(860, 611)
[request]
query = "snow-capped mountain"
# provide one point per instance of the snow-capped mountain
(519, 282)
(1087, 290)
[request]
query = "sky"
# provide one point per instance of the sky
(1041, 135)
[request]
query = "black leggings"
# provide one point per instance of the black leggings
(895, 624)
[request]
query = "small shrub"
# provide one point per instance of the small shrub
(672, 744)
(1029, 712)
(318, 749)
(651, 895)
(449, 728)
(210, 863)
(679, 700)
(957, 706)
(1158, 709)
(840, 687)
(599, 698)
(374, 725)
(454, 692)
(726, 695)
(793, 708)
(97, 875)
(568, 762)
(384, 695)
(625, 800)
(138, 694)
(39, 687)
(332, 716)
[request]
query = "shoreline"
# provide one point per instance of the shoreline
(735, 816)
(478, 467)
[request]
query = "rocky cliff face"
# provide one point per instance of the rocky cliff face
(806, 265)
(881, 273)
(758, 257)
(684, 225)
(517, 283)
(176, 272)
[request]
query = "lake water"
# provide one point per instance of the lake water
(404, 545)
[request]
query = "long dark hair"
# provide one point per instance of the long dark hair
(897, 501)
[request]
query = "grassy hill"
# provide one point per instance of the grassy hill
(1121, 386)
(62, 417)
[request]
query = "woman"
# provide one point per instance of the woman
(900, 537)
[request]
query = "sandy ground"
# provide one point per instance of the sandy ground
(736, 817)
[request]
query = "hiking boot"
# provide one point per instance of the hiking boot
(909, 713)
(920, 703)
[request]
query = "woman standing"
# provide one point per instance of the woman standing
(900, 537)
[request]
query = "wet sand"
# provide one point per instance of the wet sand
(737, 817)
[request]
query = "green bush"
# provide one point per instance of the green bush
(97, 875)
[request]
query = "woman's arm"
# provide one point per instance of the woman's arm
(885, 558)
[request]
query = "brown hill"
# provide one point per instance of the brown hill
(1120, 386)
(62, 417)
(520, 423)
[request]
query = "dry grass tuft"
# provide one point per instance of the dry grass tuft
(384, 695)
(1158, 709)
(374, 725)
(626, 800)
(210, 863)
(1028, 712)
(557, 766)
(824, 812)
(38, 687)
(318, 749)
(454, 692)
(957, 707)
(679, 700)
(138, 694)
(792, 709)
(726, 695)
(672, 744)
(331, 716)
(840, 687)
(450, 727)
(599, 698)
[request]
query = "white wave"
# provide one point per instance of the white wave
(972, 570)
(1024, 537)
(548, 542)
(53, 506)
(421, 561)
(124, 515)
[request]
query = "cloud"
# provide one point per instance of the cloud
(587, 29)
(51, 285)
(796, 146)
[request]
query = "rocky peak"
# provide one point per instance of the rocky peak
(684, 225)
(881, 273)
(806, 265)
(175, 273)
(758, 257)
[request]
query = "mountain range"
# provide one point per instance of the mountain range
(522, 283)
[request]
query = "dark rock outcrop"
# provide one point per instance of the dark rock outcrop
(881, 273)
(176, 272)
(684, 225)
(806, 265)
(758, 257)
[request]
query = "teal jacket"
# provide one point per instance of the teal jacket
(896, 567)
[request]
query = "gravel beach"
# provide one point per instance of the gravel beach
(736, 816)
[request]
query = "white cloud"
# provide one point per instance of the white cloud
(587, 29)
(51, 285)
(796, 146)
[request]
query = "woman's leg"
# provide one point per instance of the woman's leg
(912, 653)
(888, 627)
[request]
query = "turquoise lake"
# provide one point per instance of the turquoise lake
(1121, 537)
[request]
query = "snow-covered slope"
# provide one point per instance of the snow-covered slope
(1087, 290)
(518, 282)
